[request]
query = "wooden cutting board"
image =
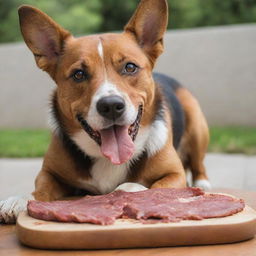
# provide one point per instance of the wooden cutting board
(131, 233)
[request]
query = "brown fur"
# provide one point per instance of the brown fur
(59, 53)
(194, 143)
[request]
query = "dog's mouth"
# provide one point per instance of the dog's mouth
(116, 142)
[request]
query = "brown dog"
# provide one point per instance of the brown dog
(117, 125)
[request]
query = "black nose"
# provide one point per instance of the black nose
(111, 107)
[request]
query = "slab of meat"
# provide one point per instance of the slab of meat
(193, 208)
(165, 205)
(91, 209)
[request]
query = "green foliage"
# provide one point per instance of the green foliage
(90, 16)
(23, 143)
(194, 13)
(233, 140)
(116, 13)
(79, 16)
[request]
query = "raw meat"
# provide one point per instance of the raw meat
(154, 205)
(90, 209)
(193, 208)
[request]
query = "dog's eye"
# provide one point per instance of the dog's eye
(130, 68)
(79, 76)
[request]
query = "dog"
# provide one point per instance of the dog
(117, 125)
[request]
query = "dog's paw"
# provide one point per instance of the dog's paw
(131, 187)
(10, 208)
(203, 184)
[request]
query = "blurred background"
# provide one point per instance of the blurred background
(210, 47)
(90, 16)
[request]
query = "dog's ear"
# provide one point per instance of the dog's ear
(44, 37)
(148, 25)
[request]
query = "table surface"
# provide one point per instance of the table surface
(9, 244)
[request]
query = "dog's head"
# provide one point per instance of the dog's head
(104, 82)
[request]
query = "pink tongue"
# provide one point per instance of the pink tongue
(116, 144)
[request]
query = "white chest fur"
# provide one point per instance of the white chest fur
(105, 176)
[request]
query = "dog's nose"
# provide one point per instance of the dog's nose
(111, 107)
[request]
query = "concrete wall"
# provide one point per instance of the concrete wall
(217, 64)
(24, 89)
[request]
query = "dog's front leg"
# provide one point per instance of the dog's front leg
(12, 206)
(172, 180)
(165, 170)
(49, 188)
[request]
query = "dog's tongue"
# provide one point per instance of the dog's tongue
(116, 144)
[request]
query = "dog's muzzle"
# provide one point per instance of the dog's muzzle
(95, 135)
(116, 141)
